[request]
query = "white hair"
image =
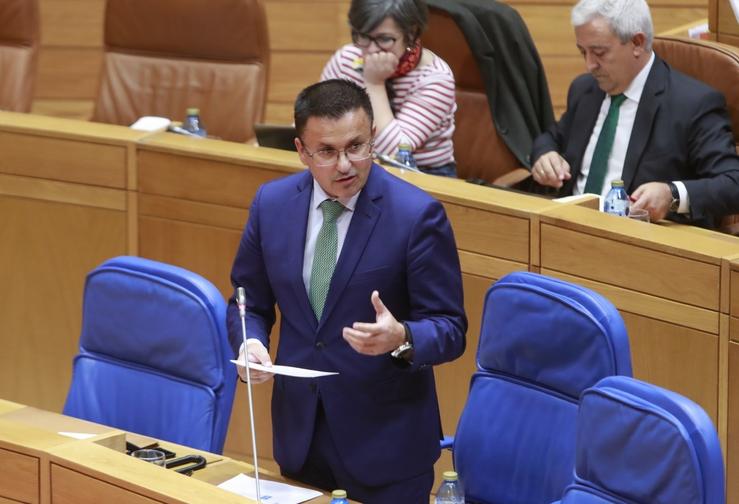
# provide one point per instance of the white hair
(625, 17)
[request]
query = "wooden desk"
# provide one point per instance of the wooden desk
(185, 201)
(38, 465)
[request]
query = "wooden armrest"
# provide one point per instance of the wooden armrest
(512, 177)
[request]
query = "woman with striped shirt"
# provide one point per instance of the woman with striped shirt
(411, 88)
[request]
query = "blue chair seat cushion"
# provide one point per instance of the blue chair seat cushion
(514, 441)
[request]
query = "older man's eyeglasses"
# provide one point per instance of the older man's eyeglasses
(363, 40)
(329, 157)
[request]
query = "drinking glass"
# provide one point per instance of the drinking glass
(152, 456)
(639, 214)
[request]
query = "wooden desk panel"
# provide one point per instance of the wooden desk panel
(630, 266)
(490, 233)
(19, 477)
(731, 451)
(734, 306)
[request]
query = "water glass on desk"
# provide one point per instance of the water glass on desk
(639, 214)
(152, 456)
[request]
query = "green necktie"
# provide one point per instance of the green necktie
(324, 258)
(599, 164)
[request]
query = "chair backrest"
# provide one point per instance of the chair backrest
(162, 57)
(154, 354)
(637, 442)
(715, 64)
(479, 150)
(542, 342)
(19, 41)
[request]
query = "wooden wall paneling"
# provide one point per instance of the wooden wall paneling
(305, 26)
(68, 73)
(734, 296)
(72, 23)
(54, 245)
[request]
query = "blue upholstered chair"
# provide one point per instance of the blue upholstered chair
(542, 342)
(637, 442)
(154, 354)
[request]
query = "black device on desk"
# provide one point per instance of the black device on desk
(196, 461)
(277, 136)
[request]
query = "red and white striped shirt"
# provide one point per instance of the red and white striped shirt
(424, 103)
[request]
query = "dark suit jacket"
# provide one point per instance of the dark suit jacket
(515, 82)
(383, 417)
(681, 132)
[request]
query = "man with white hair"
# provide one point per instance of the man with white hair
(633, 117)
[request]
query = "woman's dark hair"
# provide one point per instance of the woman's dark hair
(331, 98)
(410, 15)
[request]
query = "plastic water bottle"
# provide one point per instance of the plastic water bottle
(339, 497)
(450, 491)
(617, 201)
(405, 155)
(193, 124)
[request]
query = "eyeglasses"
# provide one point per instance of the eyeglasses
(362, 40)
(329, 157)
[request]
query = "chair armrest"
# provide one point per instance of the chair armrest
(512, 177)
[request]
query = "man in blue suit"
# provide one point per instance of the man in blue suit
(633, 117)
(364, 269)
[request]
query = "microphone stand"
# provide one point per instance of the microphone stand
(241, 301)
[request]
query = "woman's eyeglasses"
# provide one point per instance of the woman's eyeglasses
(363, 40)
(329, 157)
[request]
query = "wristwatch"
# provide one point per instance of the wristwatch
(405, 350)
(675, 203)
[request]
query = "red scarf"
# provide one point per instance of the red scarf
(409, 60)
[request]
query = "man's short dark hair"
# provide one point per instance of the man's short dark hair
(331, 98)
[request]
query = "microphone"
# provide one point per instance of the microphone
(241, 303)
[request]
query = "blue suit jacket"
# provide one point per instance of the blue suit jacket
(681, 132)
(383, 416)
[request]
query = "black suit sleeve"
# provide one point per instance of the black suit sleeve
(712, 154)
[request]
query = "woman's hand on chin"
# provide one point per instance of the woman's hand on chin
(379, 66)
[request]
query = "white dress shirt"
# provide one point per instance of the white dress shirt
(315, 221)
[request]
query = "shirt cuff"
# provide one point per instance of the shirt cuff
(684, 207)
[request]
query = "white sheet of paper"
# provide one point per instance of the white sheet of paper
(735, 8)
(77, 435)
(286, 370)
(271, 491)
(151, 123)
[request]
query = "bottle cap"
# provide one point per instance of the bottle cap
(450, 476)
(404, 146)
(193, 111)
(341, 494)
(617, 183)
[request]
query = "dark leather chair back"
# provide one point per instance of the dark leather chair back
(479, 150)
(165, 56)
(715, 64)
(19, 41)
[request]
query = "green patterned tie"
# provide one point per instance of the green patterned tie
(324, 259)
(599, 164)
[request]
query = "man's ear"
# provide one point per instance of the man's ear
(301, 151)
(640, 44)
